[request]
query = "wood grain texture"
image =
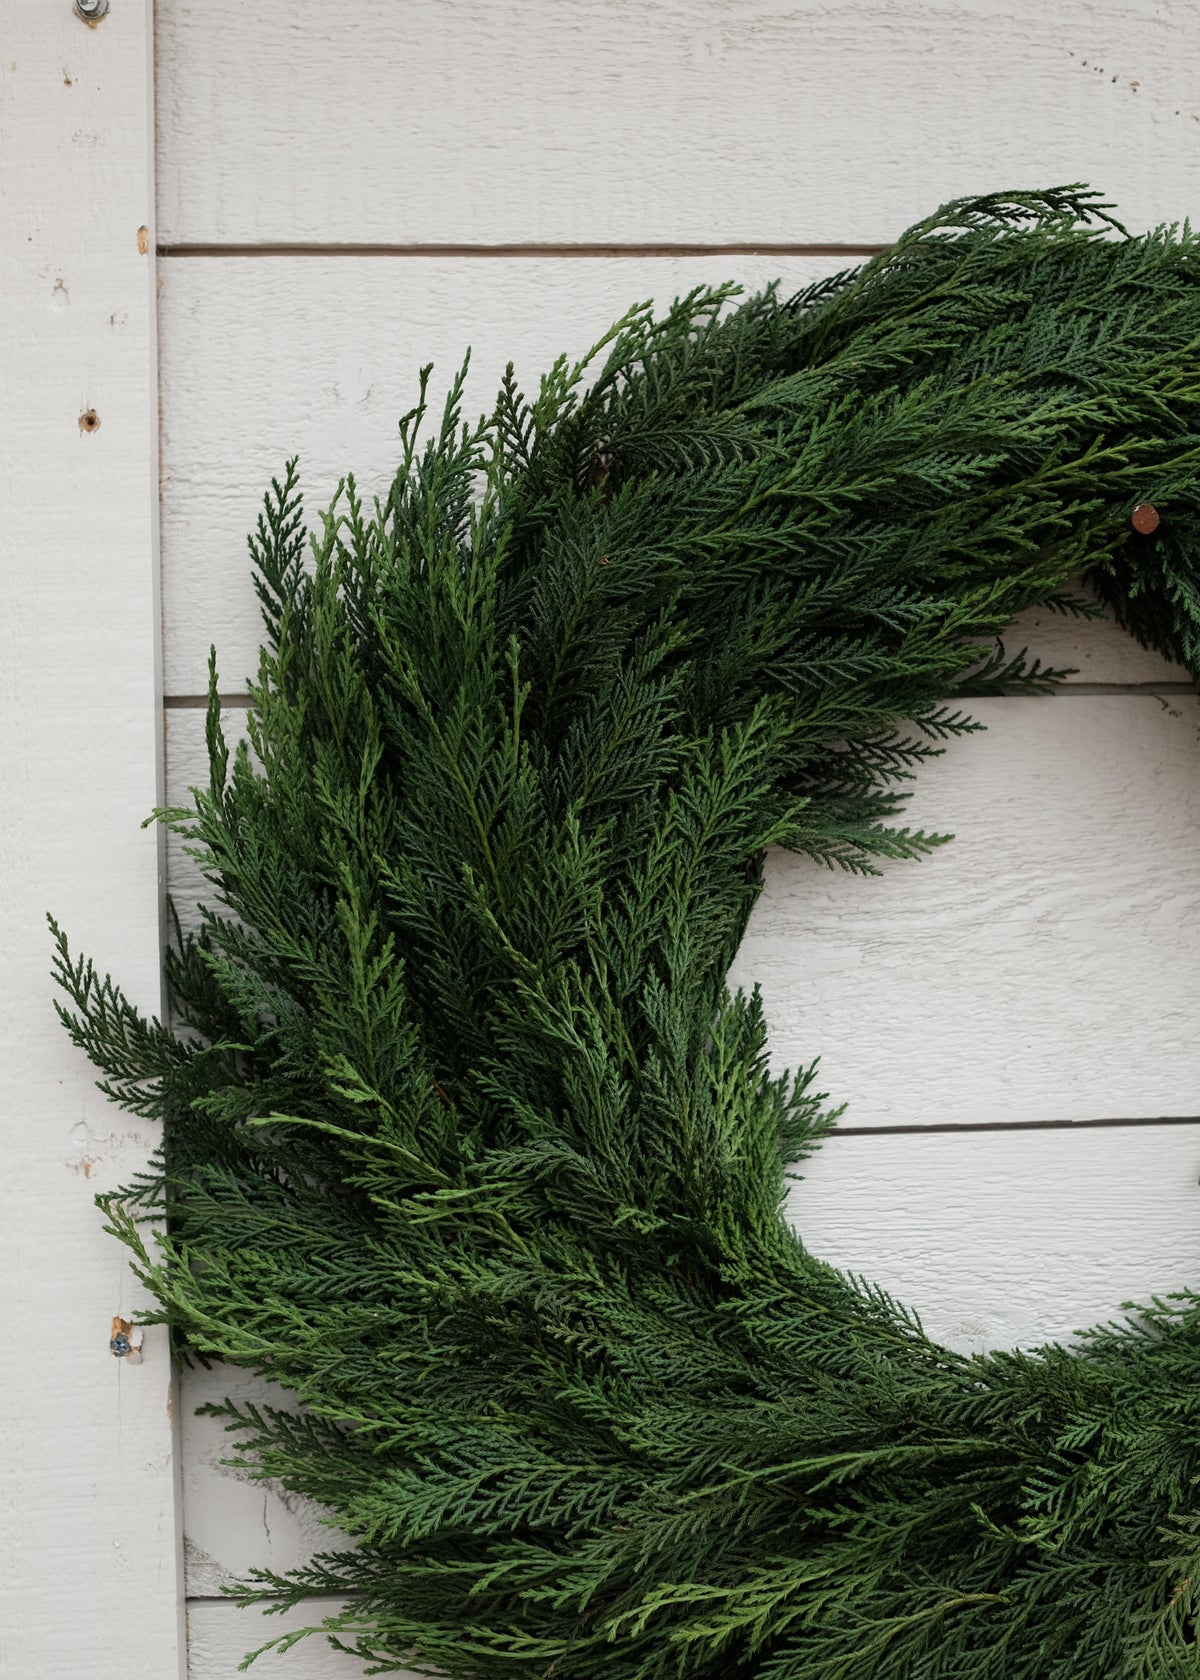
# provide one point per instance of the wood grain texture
(1009, 1239)
(688, 120)
(220, 1635)
(1039, 967)
(233, 1524)
(267, 358)
(89, 1568)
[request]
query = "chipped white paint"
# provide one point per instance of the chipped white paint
(89, 1576)
(686, 120)
(235, 1523)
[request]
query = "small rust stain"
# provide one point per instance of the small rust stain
(143, 240)
(67, 82)
(89, 420)
(1144, 518)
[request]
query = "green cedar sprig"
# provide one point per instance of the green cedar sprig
(468, 1144)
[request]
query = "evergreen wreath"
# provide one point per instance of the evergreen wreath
(466, 1141)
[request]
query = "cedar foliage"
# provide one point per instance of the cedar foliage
(466, 1141)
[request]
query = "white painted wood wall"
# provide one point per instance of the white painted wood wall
(346, 191)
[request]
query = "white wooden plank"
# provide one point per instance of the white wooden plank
(1096, 650)
(231, 1523)
(262, 359)
(1039, 967)
(1009, 1239)
(187, 768)
(220, 1636)
(265, 359)
(89, 1566)
(688, 120)
(997, 1239)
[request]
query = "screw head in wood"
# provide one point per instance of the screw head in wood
(1144, 518)
(91, 11)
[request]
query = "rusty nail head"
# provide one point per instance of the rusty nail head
(125, 1342)
(1144, 518)
(91, 11)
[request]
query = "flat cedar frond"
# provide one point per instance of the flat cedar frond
(468, 1144)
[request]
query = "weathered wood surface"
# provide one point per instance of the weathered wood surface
(688, 120)
(265, 359)
(1041, 966)
(234, 1523)
(89, 1577)
(219, 1636)
(319, 357)
(1010, 1238)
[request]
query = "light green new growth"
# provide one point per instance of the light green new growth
(466, 1141)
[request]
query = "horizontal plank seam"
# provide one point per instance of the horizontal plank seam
(734, 248)
(197, 702)
(271, 1598)
(1153, 689)
(949, 1127)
